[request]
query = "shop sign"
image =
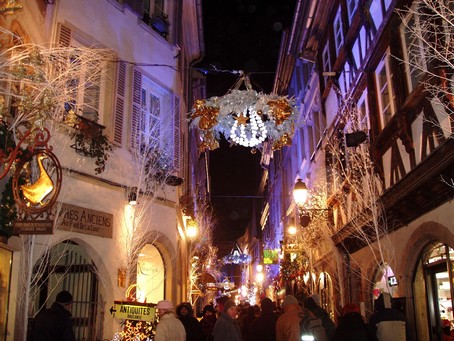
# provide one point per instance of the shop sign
(270, 257)
(86, 221)
(133, 311)
(392, 281)
(33, 227)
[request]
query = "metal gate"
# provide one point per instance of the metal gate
(68, 267)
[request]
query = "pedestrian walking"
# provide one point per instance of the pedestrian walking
(351, 326)
(169, 327)
(313, 304)
(55, 324)
(192, 326)
(264, 328)
(208, 321)
(288, 324)
(247, 322)
(387, 323)
(226, 327)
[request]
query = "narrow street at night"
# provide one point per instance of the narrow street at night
(214, 170)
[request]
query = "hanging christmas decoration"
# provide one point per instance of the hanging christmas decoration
(244, 117)
(236, 256)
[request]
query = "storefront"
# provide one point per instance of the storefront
(6, 260)
(432, 291)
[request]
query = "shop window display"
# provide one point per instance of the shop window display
(6, 258)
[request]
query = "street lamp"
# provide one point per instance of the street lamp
(300, 193)
(292, 230)
(191, 229)
(306, 215)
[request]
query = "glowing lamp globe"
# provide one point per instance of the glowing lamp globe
(300, 192)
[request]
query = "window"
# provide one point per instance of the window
(383, 83)
(413, 52)
(150, 274)
(377, 12)
(84, 92)
(310, 138)
(346, 78)
(338, 33)
(326, 57)
(67, 266)
(363, 111)
(351, 6)
(319, 126)
(154, 8)
(6, 260)
(150, 112)
(88, 92)
(156, 120)
(155, 15)
(359, 48)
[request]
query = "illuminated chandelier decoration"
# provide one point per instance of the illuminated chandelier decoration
(236, 256)
(244, 117)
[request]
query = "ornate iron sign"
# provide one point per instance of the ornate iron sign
(36, 184)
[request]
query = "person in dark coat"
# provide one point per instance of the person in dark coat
(191, 325)
(220, 301)
(208, 321)
(264, 328)
(387, 323)
(226, 327)
(55, 324)
(247, 322)
(351, 326)
(313, 304)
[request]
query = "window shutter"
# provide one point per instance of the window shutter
(120, 103)
(136, 103)
(176, 133)
(64, 36)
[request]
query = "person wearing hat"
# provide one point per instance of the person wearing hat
(288, 324)
(55, 324)
(227, 327)
(387, 323)
(351, 326)
(169, 327)
(192, 326)
(313, 304)
(208, 321)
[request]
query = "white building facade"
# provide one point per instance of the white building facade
(102, 247)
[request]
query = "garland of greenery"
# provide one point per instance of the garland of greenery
(8, 211)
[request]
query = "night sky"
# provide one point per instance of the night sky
(239, 35)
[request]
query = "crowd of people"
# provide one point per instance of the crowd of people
(293, 321)
(227, 321)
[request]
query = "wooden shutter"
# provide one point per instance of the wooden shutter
(136, 107)
(64, 36)
(176, 133)
(120, 103)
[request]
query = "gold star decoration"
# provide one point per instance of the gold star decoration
(241, 119)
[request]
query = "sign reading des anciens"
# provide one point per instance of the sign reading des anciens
(83, 220)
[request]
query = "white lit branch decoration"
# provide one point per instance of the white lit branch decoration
(244, 117)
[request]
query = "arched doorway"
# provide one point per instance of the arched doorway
(150, 275)
(66, 266)
(325, 291)
(385, 281)
(432, 290)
